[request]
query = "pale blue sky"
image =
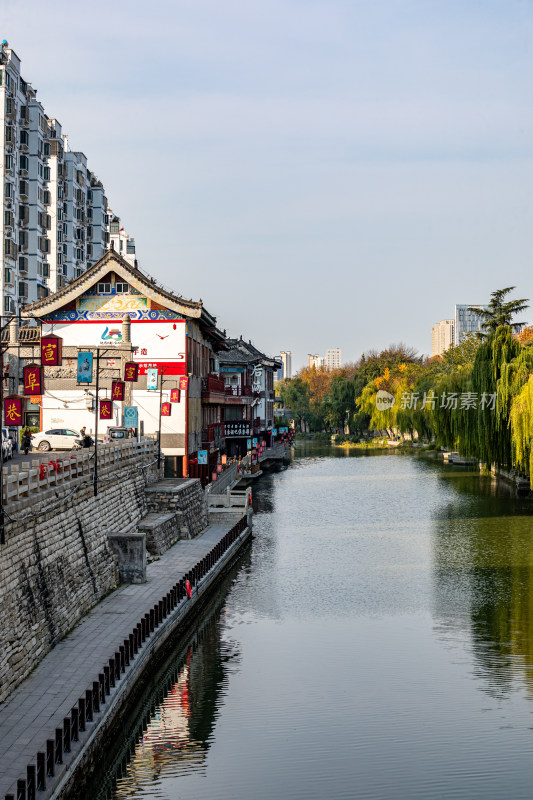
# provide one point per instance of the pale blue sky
(322, 174)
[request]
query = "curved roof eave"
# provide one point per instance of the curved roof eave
(132, 275)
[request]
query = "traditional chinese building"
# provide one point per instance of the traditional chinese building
(117, 314)
(249, 390)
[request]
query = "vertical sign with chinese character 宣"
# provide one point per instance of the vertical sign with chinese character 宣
(51, 350)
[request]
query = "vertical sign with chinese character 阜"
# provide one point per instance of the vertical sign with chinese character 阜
(175, 396)
(51, 350)
(106, 409)
(85, 367)
(13, 410)
(151, 379)
(117, 390)
(33, 380)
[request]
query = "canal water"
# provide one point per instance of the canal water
(376, 641)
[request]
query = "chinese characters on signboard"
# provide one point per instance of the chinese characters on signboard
(85, 367)
(106, 409)
(175, 395)
(51, 350)
(166, 409)
(184, 382)
(151, 379)
(237, 427)
(131, 371)
(33, 380)
(13, 410)
(117, 390)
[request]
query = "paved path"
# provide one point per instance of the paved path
(32, 712)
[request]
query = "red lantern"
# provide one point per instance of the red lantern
(166, 409)
(117, 390)
(106, 409)
(213, 476)
(33, 380)
(175, 395)
(184, 383)
(51, 350)
(13, 410)
(219, 468)
(131, 371)
(224, 459)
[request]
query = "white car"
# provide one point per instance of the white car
(55, 439)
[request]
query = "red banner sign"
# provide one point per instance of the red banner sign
(106, 409)
(117, 390)
(166, 409)
(184, 384)
(175, 395)
(51, 350)
(13, 410)
(131, 371)
(33, 380)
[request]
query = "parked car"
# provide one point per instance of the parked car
(115, 433)
(7, 445)
(55, 439)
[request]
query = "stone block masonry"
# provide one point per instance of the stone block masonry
(183, 497)
(57, 562)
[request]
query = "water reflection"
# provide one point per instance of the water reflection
(376, 643)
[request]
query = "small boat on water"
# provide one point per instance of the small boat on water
(459, 460)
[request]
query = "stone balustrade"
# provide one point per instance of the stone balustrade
(29, 480)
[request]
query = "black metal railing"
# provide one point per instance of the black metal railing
(89, 706)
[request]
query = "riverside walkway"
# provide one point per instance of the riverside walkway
(48, 723)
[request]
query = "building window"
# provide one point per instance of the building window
(23, 163)
(122, 288)
(104, 288)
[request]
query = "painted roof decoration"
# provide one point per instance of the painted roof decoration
(145, 299)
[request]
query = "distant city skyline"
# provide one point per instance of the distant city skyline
(362, 209)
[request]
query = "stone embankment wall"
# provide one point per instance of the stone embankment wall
(184, 498)
(56, 563)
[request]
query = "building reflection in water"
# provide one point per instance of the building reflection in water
(177, 728)
(483, 580)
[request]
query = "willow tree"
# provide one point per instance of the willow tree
(489, 439)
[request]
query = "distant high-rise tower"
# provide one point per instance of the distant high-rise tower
(333, 358)
(466, 321)
(286, 360)
(313, 360)
(442, 336)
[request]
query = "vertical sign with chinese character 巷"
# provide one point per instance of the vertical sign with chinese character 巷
(166, 409)
(106, 409)
(13, 410)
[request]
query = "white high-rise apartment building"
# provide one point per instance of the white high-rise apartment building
(286, 369)
(314, 360)
(333, 358)
(442, 336)
(54, 221)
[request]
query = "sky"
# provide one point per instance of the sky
(321, 173)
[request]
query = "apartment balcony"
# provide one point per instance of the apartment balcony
(213, 389)
(238, 391)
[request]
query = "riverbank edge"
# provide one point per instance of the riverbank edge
(72, 776)
(74, 764)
